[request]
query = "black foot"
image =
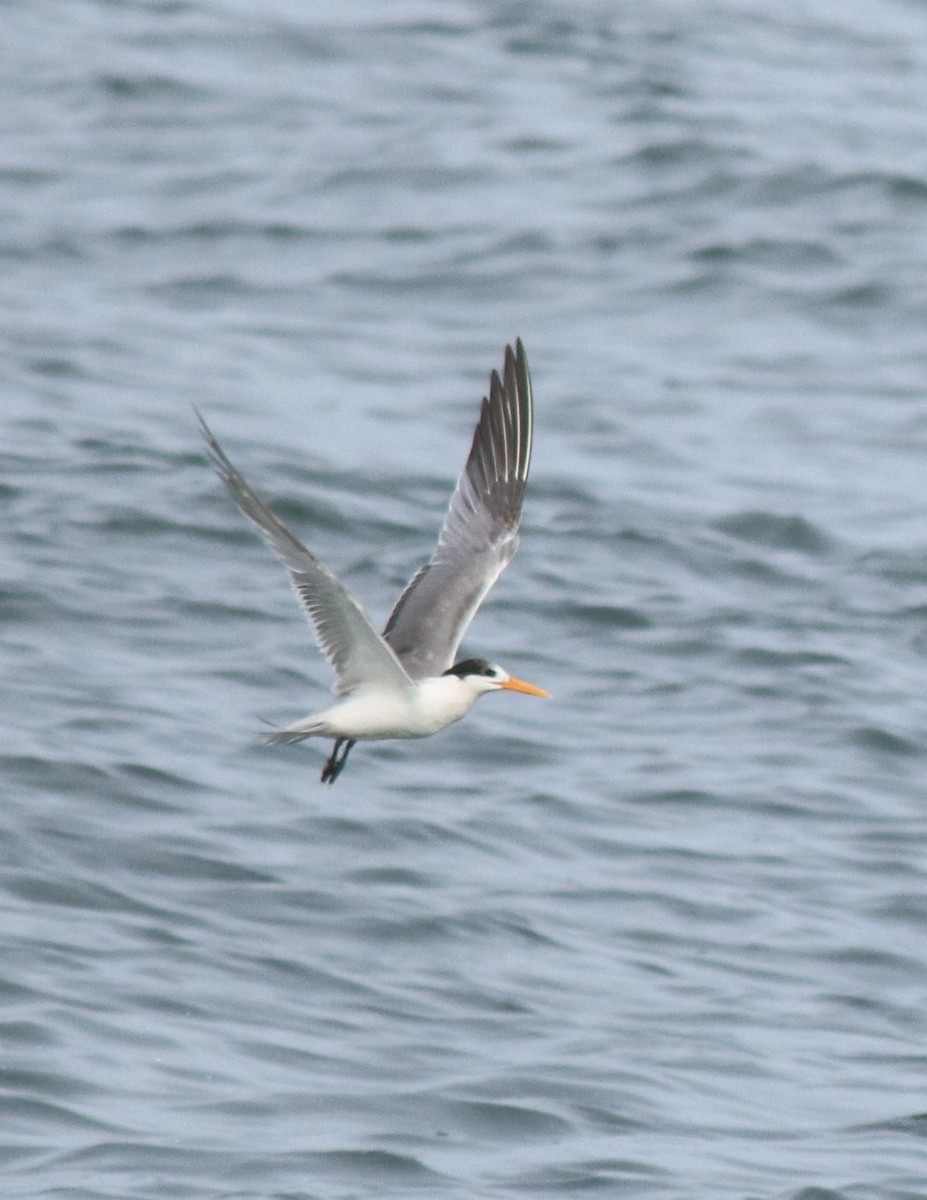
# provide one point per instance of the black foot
(335, 765)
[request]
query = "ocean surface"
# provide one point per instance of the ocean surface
(663, 936)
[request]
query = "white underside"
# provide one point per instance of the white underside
(372, 714)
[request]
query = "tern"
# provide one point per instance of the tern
(405, 682)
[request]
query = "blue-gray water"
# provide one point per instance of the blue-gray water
(660, 937)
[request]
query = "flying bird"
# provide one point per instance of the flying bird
(404, 683)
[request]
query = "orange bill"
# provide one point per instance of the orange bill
(518, 685)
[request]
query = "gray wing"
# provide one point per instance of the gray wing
(343, 630)
(480, 533)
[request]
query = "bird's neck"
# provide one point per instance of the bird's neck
(444, 698)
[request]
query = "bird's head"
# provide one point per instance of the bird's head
(482, 676)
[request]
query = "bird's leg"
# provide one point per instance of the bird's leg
(331, 768)
(335, 765)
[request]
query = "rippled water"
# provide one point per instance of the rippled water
(663, 936)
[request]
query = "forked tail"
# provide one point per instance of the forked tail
(293, 733)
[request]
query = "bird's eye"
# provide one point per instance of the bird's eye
(491, 672)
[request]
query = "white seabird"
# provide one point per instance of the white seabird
(404, 683)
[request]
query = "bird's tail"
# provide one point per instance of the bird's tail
(307, 728)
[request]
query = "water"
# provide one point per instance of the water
(661, 937)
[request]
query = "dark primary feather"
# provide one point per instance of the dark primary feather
(480, 532)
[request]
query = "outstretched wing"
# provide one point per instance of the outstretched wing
(480, 532)
(343, 630)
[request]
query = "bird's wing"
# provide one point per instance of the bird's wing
(480, 532)
(343, 630)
